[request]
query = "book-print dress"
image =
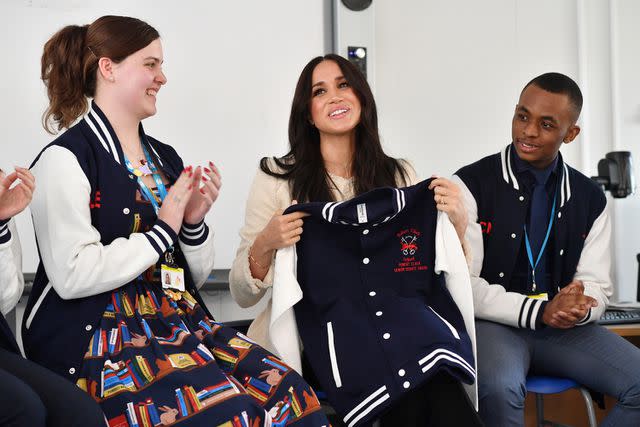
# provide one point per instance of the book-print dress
(157, 359)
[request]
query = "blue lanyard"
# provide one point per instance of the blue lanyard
(156, 177)
(542, 247)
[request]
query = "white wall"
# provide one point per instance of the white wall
(449, 73)
(626, 104)
(232, 67)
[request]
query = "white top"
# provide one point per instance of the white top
(11, 280)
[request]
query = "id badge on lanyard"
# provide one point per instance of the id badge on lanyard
(171, 275)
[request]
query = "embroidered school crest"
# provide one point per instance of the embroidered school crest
(409, 247)
(409, 241)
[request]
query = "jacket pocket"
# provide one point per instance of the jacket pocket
(37, 305)
(332, 356)
(449, 325)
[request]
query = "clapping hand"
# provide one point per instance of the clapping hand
(14, 199)
(202, 199)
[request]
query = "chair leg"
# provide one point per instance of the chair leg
(539, 410)
(591, 413)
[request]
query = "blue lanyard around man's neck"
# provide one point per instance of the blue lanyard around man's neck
(162, 190)
(542, 247)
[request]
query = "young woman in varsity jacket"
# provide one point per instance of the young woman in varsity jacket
(30, 395)
(115, 211)
(335, 154)
(540, 235)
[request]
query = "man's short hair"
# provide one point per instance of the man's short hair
(559, 83)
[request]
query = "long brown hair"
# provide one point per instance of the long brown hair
(303, 165)
(70, 62)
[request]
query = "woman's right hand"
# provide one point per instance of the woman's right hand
(15, 200)
(280, 232)
(173, 206)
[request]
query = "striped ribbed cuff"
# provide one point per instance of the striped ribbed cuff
(531, 313)
(194, 234)
(586, 319)
(5, 233)
(161, 237)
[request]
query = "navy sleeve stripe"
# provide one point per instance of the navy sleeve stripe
(194, 234)
(5, 234)
(161, 237)
(524, 303)
(528, 316)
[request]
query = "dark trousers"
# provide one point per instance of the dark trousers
(33, 396)
(442, 401)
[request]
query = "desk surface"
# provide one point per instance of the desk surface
(625, 330)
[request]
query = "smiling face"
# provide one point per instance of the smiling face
(335, 108)
(138, 78)
(542, 121)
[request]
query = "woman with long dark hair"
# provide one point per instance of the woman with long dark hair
(335, 154)
(123, 248)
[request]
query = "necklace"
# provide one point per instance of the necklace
(142, 170)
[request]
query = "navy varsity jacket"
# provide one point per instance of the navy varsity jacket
(87, 213)
(578, 248)
(376, 318)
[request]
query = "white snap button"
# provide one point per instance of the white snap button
(406, 384)
(521, 198)
(372, 294)
(378, 313)
(559, 214)
(126, 211)
(87, 328)
(501, 274)
(365, 231)
(365, 261)
(72, 371)
(561, 252)
(401, 372)
(131, 176)
(513, 235)
(386, 335)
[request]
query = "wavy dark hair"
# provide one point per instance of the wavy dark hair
(303, 165)
(69, 63)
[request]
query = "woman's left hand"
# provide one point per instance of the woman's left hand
(448, 199)
(202, 199)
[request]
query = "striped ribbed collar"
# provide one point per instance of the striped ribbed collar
(100, 126)
(371, 209)
(508, 167)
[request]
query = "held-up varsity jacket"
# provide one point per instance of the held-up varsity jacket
(381, 297)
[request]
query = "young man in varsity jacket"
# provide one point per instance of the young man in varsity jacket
(540, 234)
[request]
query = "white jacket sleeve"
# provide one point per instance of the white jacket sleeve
(594, 266)
(11, 280)
(492, 301)
(77, 263)
(451, 260)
